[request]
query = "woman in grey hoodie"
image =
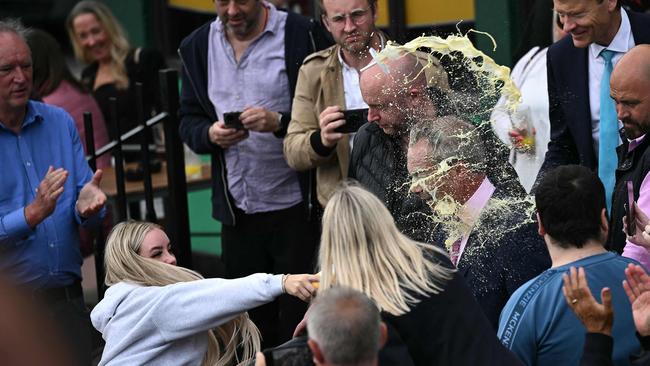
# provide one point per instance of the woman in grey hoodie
(157, 313)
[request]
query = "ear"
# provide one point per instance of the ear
(540, 227)
(375, 13)
(611, 5)
(604, 222)
(383, 335)
(317, 355)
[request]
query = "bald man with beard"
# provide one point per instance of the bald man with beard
(630, 90)
(395, 100)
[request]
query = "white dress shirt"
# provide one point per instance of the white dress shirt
(622, 42)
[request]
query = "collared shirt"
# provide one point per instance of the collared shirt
(471, 211)
(351, 88)
(622, 42)
(49, 255)
(259, 178)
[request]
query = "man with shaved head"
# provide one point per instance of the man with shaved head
(630, 90)
(396, 94)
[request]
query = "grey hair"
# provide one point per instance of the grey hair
(346, 325)
(451, 137)
(15, 26)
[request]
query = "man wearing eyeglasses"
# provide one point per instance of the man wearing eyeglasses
(584, 126)
(328, 83)
(246, 61)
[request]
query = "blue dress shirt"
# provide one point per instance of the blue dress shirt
(48, 255)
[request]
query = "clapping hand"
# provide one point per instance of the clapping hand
(637, 288)
(47, 195)
(91, 198)
(596, 317)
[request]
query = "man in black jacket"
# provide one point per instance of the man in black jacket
(378, 160)
(247, 61)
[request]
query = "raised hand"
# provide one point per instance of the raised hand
(330, 119)
(637, 288)
(596, 317)
(91, 198)
(301, 286)
(47, 195)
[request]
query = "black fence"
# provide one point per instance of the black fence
(178, 226)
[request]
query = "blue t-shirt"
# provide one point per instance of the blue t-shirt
(539, 327)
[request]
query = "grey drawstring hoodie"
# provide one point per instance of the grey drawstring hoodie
(168, 325)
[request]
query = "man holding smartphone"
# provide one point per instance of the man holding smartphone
(328, 84)
(630, 90)
(247, 61)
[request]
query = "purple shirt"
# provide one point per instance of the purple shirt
(259, 178)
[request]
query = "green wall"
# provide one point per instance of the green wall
(135, 17)
(500, 19)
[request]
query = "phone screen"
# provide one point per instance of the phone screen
(354, 119)
(231, 120)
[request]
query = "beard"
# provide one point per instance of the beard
(361, 45)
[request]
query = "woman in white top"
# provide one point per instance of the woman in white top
(528, 128)
(155, 313)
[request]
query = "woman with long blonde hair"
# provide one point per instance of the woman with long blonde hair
(422, 297)
(157, 313)
(113, 65)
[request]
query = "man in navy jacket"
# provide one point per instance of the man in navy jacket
(247, 61)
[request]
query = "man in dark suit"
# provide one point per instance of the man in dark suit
(601, 33)
(486, 224)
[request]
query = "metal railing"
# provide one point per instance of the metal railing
(178, 227)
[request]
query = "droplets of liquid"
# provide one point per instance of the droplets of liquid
(477, 150)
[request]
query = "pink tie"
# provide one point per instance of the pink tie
(455, 252)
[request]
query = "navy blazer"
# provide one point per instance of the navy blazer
(568, 94)
(503, 252)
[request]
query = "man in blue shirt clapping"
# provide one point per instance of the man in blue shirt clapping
(46, 191)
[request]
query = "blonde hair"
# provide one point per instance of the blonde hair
(124, 264)
(119, 44)
(362, 248)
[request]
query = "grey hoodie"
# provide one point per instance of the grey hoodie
(168, 325)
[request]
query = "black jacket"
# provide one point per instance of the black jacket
(449, 328)
(302, 37)
(503, 252)
(568, 95)
(378, 162)
(633, 166)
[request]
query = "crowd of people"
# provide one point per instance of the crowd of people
(422, 237)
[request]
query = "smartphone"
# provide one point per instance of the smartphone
(354, 119)
(231, 120)
(630, 218)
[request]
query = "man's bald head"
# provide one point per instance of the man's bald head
(635, 63)
(630, 90)
(395, 92)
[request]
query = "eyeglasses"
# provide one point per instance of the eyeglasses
(357, 16)
(227, 2)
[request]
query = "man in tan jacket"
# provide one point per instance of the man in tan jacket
(328, 83)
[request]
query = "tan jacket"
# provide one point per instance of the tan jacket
(320, 85)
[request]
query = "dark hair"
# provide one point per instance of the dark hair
(570, 200)
(371, 3)
(48, 63)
